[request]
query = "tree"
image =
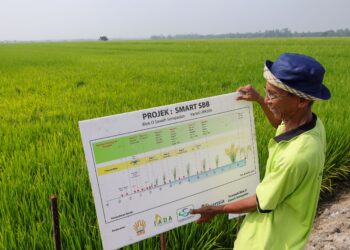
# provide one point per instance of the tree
(103, 38)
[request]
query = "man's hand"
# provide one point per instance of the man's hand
(207, 213)
(248, 93)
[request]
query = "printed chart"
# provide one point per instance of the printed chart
(149, 168)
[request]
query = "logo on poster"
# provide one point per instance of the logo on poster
(183, 213)
(139, 227)
(216, 203)
(161, 221)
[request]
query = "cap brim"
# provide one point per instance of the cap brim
(325, 94)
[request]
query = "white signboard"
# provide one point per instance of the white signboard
(148, 168)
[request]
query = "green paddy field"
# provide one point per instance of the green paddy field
(46, 88)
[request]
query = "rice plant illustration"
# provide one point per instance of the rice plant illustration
(174, 173)
(188, 169)
(204, 165)
(232, 152)
(244, 151)
(217, 161)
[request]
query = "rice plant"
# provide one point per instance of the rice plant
(46, 88)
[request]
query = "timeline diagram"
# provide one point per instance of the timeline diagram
(167, 160)
(158, 160)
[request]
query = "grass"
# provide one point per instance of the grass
(46, 88)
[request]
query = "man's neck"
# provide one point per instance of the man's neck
(298, 119)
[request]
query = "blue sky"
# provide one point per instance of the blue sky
(25, 20)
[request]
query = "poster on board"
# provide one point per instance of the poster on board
(149, 167)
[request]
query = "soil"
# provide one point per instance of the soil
(331, 229)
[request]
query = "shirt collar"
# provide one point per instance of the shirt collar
(297, 131)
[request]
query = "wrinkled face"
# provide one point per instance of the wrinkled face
(281, 103)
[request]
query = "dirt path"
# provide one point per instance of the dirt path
(331, 229)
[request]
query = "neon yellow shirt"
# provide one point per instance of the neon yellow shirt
(287, 196)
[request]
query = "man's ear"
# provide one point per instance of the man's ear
(303, 103)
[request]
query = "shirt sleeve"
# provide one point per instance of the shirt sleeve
(278, 185)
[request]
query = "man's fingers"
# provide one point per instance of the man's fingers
(245, 96)
(239, 89)
(195, 211)
(242, 91)
(199, 221)
(204, 219)
(244, 88)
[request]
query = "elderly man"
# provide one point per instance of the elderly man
(282, 211)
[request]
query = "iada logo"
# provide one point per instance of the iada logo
(160, 221)
(139, 227)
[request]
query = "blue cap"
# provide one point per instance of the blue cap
(300, 72)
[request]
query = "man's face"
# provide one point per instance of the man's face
(281, 103)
